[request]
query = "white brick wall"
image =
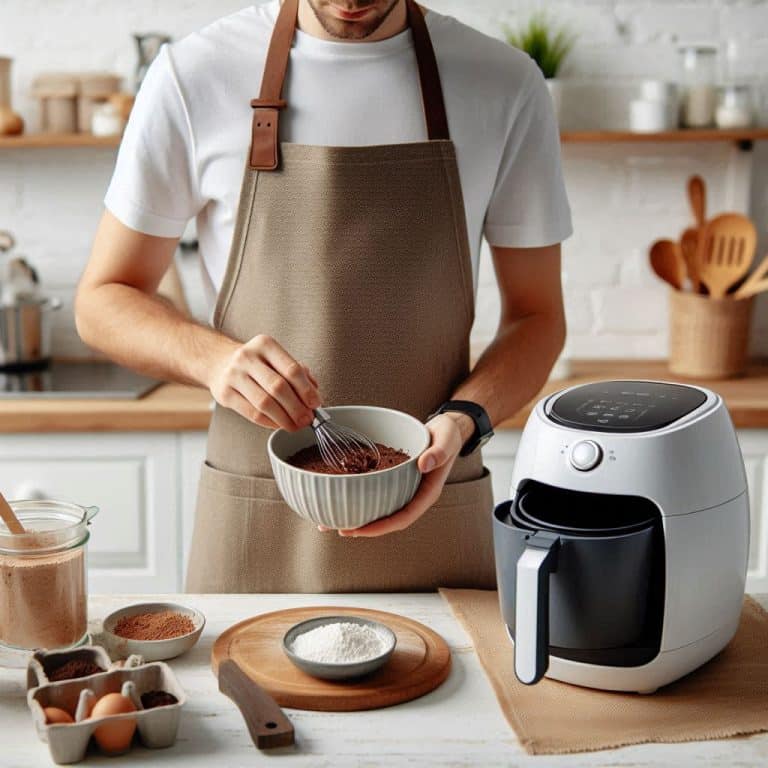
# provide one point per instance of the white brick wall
(623, 197)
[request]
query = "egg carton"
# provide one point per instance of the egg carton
(68, 743)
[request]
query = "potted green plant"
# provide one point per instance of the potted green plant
(548, 44)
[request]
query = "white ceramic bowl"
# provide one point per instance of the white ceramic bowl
(151, 650)
(350, 501)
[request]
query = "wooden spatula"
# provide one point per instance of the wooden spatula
(689, 242)
(267, 723)
(667, 262)
(755, 283)
(697, 195)
(726, 249)
(9, 517)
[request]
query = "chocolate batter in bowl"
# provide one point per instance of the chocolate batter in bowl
(43, 578)
(350, 500)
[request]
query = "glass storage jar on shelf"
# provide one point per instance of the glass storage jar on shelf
(698, 85)
(735, 106)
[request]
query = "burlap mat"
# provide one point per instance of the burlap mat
(726, 697)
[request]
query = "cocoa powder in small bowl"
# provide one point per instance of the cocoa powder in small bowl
(156, 631)
(158, 625)
(357, 463)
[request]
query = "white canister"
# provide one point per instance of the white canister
(665, 92)
(735, 107)
(648, 116)
(106, 120)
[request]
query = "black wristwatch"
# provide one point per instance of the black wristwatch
(483, 430)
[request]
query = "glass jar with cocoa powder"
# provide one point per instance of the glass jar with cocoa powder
(43, 576)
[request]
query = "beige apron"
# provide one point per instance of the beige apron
(356, 260)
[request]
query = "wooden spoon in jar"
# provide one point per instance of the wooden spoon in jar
(689, 243)
(667, 262)
(697, 195)
(725, 252)
(755, 283)
(9, 517)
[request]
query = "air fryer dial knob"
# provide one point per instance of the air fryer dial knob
(586, 455)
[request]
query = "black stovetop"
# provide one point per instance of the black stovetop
(75, 380)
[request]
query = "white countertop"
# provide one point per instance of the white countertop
(459, 724)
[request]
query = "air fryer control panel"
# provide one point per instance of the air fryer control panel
(625, 406)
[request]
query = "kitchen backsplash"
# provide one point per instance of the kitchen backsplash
(622, 196)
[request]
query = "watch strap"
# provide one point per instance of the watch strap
(483, 429)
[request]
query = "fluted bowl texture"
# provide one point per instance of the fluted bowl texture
(351, 501)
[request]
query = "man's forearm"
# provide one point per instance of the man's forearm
(146, 333)
(513, 368)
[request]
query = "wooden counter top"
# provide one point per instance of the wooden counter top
(460, 724)
(174, 407)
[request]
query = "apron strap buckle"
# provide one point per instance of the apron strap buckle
(264, 133)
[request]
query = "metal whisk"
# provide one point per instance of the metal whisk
(343, 448)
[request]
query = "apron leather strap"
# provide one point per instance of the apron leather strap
(266, 109)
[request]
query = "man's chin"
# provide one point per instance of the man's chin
(349, 25)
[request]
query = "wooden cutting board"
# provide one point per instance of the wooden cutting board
(420, 663)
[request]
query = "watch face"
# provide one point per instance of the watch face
(484, 439)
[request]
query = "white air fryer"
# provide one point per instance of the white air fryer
(622, 555)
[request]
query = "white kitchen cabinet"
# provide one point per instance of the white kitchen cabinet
(145, 484)
(135, 543)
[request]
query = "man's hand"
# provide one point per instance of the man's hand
(449, 431)
(264, 384)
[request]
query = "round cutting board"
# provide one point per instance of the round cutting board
(420, 663)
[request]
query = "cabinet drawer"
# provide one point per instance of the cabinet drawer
(131, 478)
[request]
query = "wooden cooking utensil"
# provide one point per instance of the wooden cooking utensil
(726, 249)
(667, 262)
(267, 723)
(9, 517)
(755, 283)
(689, 242)
(697, 195)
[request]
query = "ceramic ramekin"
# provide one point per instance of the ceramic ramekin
(351, 501)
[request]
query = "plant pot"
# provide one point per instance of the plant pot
(555, 86)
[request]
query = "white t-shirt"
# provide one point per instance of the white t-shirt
(186, 143)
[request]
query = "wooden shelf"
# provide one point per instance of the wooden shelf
(45, 140)
(741, 136)
(692, 135)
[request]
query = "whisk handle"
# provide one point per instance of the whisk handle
(321, 416)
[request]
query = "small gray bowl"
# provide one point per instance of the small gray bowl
(344, 671)
(151, 650)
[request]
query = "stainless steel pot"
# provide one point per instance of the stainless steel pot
(25, 333)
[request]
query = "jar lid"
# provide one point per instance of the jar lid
(51, 527)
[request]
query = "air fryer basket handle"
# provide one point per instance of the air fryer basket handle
(538, 561)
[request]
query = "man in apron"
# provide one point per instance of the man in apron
(384, 140)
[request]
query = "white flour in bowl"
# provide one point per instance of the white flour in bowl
(341, 642)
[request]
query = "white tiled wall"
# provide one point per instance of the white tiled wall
(623, 196)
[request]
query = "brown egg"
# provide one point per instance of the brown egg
(116, 736)
(54, 715)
